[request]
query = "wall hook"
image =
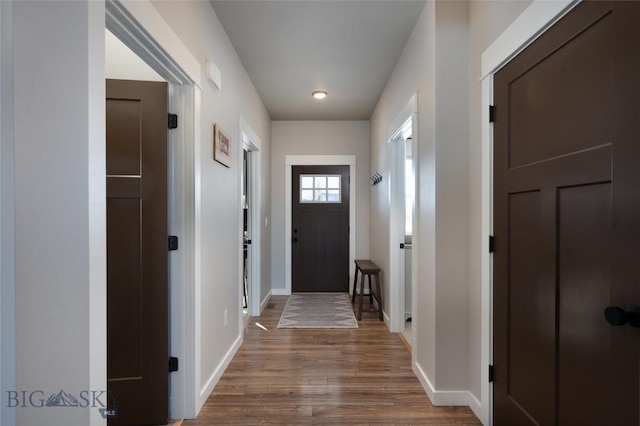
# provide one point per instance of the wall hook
(376, 179)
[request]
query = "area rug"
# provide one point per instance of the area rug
(318, 310)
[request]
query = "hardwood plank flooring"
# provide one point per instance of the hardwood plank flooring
(322, 377)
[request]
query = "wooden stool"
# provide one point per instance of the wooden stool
(367, 268)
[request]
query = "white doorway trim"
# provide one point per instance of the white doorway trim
(252, 143)
(536, 19)
(139, 25)
(318, 160)
(396, 303)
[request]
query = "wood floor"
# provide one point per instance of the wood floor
(322, 377)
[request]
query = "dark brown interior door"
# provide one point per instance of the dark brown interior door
(137, 283)
(567, 222)
(320, 229)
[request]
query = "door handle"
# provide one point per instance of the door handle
(618, 316)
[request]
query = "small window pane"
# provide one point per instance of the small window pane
(321, 195)
(321, 181)
(306, 181)
(306, 195)
(334, 182)
(333, 196)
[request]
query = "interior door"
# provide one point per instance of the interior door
(320, 229)
(137, 283)
(567, 222)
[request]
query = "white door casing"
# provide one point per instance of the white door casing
(318, 160)
(252, 143)
(408, 114)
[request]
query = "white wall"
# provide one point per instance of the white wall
(448, 38)
(414, 72)
(197, 26)
(60, 239)
(433, 64)
(121, 63)
(316, 138)
(487, 20)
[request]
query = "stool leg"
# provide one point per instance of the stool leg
(361, 297)
(370, 292)
(379, 298)
(355, 283)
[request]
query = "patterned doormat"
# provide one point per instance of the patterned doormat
(318, 310)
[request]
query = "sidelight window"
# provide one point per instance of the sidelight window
(320, 189)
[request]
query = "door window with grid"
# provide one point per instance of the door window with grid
(320, 189)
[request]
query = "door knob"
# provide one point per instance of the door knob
(295, 240)
(617, 316)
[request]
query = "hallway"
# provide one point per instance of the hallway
(322, 377)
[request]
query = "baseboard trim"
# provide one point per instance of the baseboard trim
(476, 407)
(217, 374)
(264, 302)
(280, 292)
(440, 398)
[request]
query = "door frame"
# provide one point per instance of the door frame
(318, 160)
(252, 143)
(396, 303)
(139, 26)
(532, 23)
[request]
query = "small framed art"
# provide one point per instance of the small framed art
(221, 146)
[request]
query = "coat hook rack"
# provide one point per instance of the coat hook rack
(376, 179)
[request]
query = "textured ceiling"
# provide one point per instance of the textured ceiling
(291, 48)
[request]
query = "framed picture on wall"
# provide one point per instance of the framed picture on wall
(221, 146)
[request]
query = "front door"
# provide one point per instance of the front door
(320, 229)
(567, 222)
(137, 283)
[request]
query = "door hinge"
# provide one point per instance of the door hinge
(173, 364)
(490, 373)
(173, 121)
(491, 243)
(492, 113)
(173, 242)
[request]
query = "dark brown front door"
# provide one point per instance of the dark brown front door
(320, 229)
(137, 286)
(567, 222)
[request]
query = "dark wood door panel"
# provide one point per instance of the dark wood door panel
(124, 300)
(551, 93)
(567, 222)
(591, 165)
(123, 154)
(137, 269)
(320, 236)
(626, 212)
(584, 339)
(529, 352)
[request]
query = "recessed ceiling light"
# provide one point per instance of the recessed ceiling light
(319, 94)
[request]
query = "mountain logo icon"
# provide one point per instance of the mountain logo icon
(62, 399)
